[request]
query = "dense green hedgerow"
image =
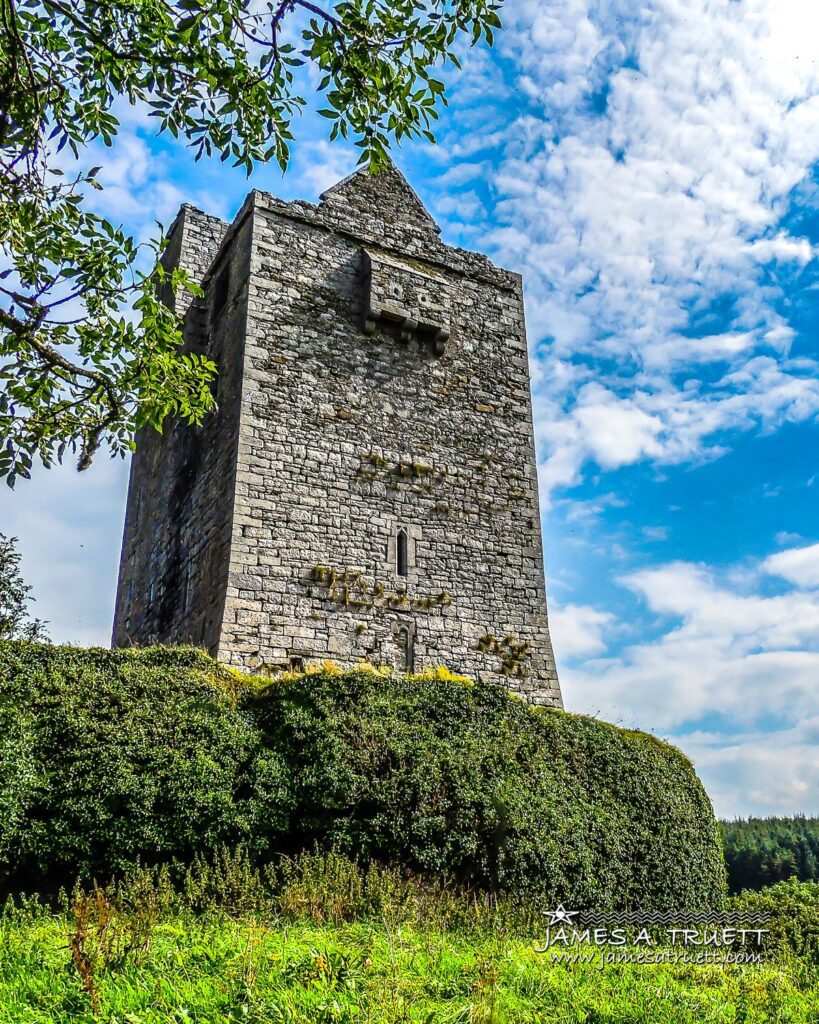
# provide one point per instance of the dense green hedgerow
(106, 757)
(110, 757)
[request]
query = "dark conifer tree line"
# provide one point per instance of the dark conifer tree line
(763, 851)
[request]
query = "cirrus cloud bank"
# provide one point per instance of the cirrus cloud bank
(647, 168)
(641, 191)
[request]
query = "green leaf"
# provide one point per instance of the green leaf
(191, 62)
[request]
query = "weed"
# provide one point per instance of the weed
(104, 933)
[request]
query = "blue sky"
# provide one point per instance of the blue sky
(654, 177)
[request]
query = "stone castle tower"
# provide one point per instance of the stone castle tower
(367, 488)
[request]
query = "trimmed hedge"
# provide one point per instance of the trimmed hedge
(107, 758)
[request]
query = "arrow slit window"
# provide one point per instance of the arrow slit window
(402, 552)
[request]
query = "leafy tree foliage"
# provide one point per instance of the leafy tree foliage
(226, 75)
(15, 622)
(793, 917)
(763, 851)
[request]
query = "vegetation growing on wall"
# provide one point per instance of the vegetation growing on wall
(350, 588)
(501, 484)
(404, 474)
(513, 653)
(113, 757)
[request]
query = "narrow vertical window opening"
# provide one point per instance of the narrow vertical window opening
(221, 289)
(409, 651)
(186, 587)
(405, 636)
(402, 552)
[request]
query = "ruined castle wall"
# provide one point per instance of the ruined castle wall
(178, 528)
(348, 437)
(193, 241)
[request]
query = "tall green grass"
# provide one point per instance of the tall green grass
(219, 969)
(319, 939)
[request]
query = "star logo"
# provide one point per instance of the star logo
(560, 915)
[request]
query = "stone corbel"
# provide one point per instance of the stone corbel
(412, 300)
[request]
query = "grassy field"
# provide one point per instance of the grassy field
(204, 969)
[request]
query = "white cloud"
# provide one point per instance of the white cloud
(321, 164)
(726, 652)
(760, 773)
(579, 630)
(616, 431)
(797, 565)
(782, 247)
(69, 525)
(137, 182)
(641, 194)
(465, 207)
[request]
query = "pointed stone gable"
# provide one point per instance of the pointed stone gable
(387, 196)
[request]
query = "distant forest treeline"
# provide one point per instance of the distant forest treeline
(763, 851)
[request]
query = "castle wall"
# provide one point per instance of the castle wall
(367, 488)
(178, 527)
(346, 437)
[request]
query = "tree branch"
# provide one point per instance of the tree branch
(100, 40)
(50, 356)
(321, 13)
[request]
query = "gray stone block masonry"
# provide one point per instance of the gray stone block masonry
(367, 488)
